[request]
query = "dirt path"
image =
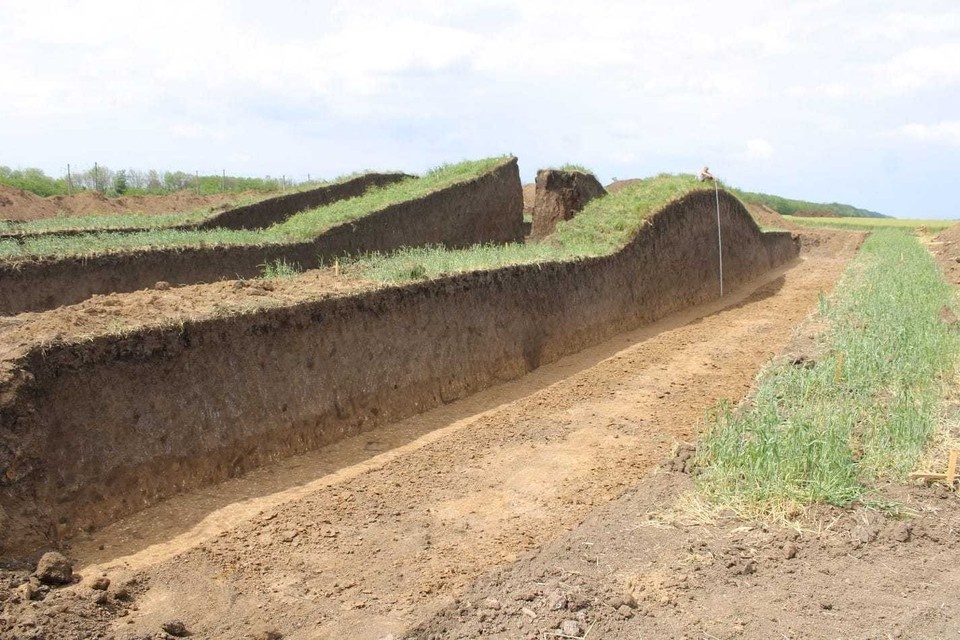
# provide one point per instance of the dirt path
(369, 537)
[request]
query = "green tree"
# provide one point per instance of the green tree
(120, 182)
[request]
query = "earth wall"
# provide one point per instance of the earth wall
(488, 209)
(93, 431)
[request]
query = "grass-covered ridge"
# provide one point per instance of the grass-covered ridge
(300, 227)
(864, 409)
(792, 207)
(604, 226)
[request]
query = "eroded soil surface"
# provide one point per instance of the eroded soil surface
(389, 532)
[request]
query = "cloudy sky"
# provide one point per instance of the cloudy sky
(828, 100)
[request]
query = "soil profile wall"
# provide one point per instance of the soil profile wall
(94, 431)
(488, 209)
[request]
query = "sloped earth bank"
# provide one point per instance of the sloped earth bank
(388, 530)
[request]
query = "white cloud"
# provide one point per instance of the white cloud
(194, 131)
(947, 132)
(758, 149)
(924, 66)
(831, 90)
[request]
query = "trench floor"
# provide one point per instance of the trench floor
(368, 537)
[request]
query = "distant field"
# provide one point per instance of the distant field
(874, 224)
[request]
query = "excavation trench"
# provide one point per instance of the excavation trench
(96, 430)
(368, 536)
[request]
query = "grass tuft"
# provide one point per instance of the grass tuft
(279, 269)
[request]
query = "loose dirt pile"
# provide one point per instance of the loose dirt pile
(16, 204)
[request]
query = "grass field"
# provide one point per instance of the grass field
(865, 408)
(300, 227)
(874, 224)
(604, 226)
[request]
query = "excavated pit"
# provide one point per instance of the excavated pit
(91, 431)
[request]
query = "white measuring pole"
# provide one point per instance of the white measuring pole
(716, 189)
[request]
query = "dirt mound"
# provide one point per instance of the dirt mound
(19, 205)
(816, 213)
(560, 195)
(946, 249)
(770, 218)
(486, 209)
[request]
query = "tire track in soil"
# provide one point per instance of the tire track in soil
(372, 548)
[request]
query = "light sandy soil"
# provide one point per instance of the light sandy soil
(381, 532)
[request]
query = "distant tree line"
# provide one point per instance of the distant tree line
(133, 182)
(790, 207)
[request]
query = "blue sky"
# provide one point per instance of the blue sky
(825, 100)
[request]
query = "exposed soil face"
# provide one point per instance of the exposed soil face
(560, 195)
(946, 248)
(384, 531)
(16, 204)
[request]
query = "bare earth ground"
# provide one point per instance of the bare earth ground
(437, 521)
(16, 204)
